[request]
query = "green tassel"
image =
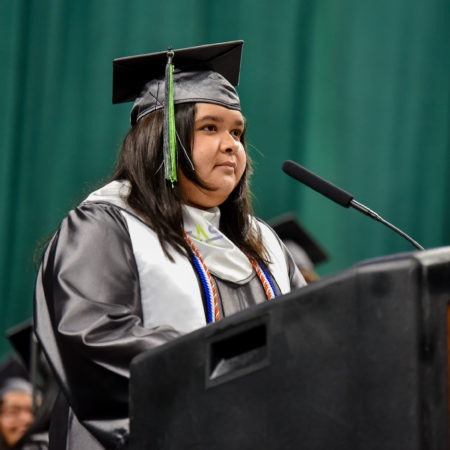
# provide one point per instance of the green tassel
(169, 147)
(172, 133)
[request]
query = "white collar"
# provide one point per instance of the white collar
(222, 257)
(115, 192)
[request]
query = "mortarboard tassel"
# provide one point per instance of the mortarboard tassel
(170, 160)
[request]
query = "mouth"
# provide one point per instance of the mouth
(230, 164)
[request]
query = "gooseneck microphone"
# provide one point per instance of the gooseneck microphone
(338, 195)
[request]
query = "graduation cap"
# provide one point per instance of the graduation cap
(12, 367)
(15, 384)
(21, 338)
(291, 232)
(36, 367)
(205, 74)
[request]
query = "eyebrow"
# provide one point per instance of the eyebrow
(218, 119)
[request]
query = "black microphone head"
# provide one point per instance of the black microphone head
(317, 183)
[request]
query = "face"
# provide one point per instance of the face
(218, 155)
(15, 415)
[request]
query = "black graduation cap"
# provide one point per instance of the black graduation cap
(11, 367)
(17, 365)
(288, 228)
(131, 73)
(206, 73)
(21, 338)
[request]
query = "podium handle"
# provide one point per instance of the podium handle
(237, 352)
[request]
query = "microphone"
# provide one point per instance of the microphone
(338, 195)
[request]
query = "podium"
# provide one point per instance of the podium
(358, 360)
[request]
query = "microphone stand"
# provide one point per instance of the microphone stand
(368, 212)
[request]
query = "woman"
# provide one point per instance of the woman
(164, 248)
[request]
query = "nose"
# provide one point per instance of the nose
(230, 143)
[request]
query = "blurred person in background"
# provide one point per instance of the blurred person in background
(16, 411)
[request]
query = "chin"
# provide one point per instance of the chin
(208, 201)
(214, 202)
(219, 199)
(205, 199)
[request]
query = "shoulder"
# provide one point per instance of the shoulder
(281, 263)
(266, 231)
(97, 211)
(91, 244)
(92, 228)
(270, 240)
(106, 206)
(93, 218)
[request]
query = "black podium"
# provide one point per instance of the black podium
(354, 361)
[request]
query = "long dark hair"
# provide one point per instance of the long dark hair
(159, 204)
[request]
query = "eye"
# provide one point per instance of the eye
(209, 128)
(237, 134)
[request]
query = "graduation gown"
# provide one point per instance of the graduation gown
(106, 292)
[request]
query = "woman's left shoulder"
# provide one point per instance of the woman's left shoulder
(264, 228)
(280, 256)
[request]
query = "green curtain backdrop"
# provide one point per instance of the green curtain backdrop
(355, 90)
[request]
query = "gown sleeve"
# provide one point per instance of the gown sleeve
(88, 317)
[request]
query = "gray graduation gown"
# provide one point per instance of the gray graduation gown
(89, 319)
